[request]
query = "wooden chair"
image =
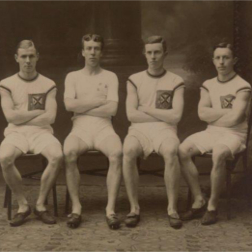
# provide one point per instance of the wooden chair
(93, 172)
(157, 172)
(230, 166)
(30, 175)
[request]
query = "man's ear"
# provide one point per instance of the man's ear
(38, 56)
(16, 57)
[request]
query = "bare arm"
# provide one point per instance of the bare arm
(48, 117)
(16, 116)
(205, 111)
(107, 110)
(237, 114)
(134, 115)
(171, 116)
(81, 106)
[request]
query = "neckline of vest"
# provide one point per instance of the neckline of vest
(156, 76)
(28, 80)
(227, 80)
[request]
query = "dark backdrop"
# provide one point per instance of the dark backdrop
(191, 28)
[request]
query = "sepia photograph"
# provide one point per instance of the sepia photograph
(125, 125)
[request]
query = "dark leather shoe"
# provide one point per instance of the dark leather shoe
(19, 218)
(193, 213)
(45, 216)
(175, 221)
(210, 217)
(74, 220)
(132, 220)
(113, 221)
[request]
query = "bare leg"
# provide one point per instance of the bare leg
(131, 150)
(8, 155)
(186, 151)
(112, 148)
(218, 173)
(54, 155)
(73, 147)
(168, 150)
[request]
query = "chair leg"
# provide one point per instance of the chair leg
(55, 205)
(6, 197)
(247, 180)
(228, 188)
(44, 164)
(189, 199)
(67, 201)
(9, 203)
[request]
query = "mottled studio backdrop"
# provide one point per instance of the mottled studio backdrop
(191, 28)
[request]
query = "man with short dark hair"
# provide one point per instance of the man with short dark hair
(154, 104)
(29, 105)
(92, 94)
(223, 105)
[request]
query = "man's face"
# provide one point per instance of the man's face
(224, 61)
(155, 55)
(92, 53)
(27, 59)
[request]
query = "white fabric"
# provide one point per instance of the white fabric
(222, 95)
(148, 90)
(80, 86)
(20, 90)
(213, 135)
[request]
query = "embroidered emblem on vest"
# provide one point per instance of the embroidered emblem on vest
(102, 89)
(164, 99)
(227, 101)
(36, 101)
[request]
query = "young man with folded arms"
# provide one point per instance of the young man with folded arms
(223, 105)
(92, 94)
(28, 101)
(154, 104)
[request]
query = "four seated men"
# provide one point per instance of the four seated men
(154, 106)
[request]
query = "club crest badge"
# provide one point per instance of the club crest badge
(164, 99)
(36, 101)
(227, 101)
(102, 89)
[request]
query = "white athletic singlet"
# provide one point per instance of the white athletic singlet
(223, 94)
(78, 85)
(27, 95)
(156, 92)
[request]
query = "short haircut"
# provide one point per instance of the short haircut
(25, 44)
(155, 39)
(224, 45)
(94, 37)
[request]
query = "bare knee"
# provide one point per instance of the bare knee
(7, 161)
(55, 157)
(170, 153)
(129, 152)
(115, 157)
(185, 152)
(71, 156)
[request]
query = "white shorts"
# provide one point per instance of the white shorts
(93, 136)
(152, 140)
(213, 135)
(30, 141)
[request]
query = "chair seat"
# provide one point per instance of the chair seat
(210, 154)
